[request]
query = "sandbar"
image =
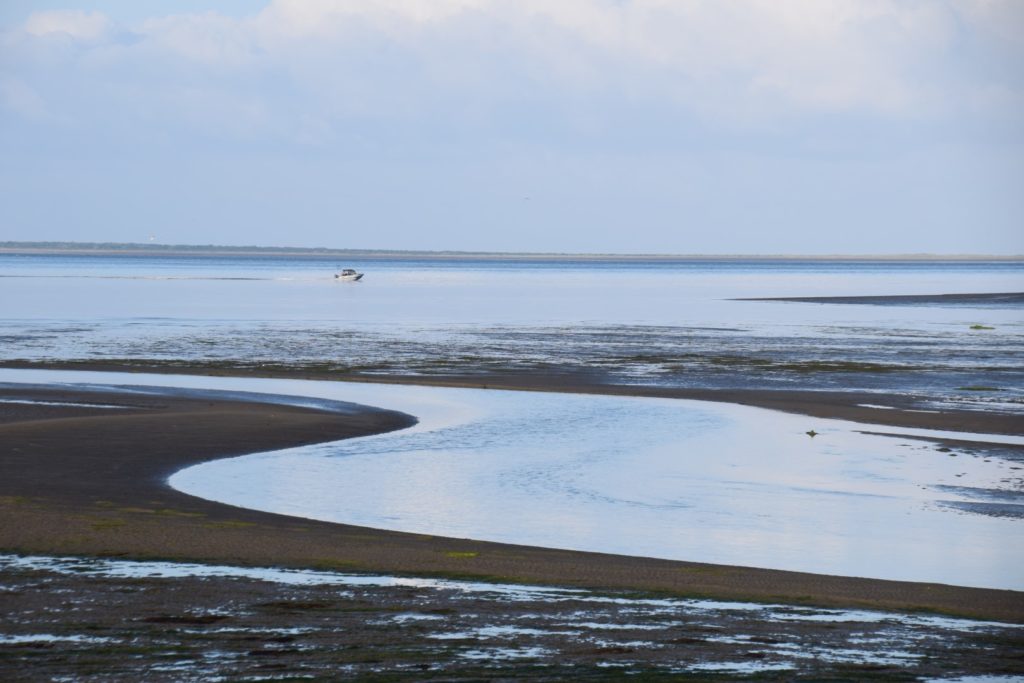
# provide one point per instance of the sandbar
(90, 479)
(985, 299)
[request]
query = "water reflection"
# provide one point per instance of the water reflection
(660, 478)
(638, 476)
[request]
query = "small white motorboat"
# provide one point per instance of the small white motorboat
(348, 275)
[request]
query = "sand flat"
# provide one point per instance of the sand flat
(95, 485)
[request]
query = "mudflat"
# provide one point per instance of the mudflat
(90, 479)
(150, 621)
(1001, 298)
(874, 408)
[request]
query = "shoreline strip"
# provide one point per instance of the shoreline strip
(871, 408)
(1002, 298)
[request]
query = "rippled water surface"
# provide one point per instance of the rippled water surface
(638, 476)
(651, 477)
(663, 322)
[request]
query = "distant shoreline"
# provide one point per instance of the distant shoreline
(146, 249)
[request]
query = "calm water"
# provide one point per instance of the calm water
(654, 322)
(466, 292)
(660, 478)
(651, 477)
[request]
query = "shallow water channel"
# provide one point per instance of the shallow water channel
(664, 478)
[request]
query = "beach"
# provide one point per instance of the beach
(889, 410)
(84, 474)
(498, 341)
(85, 469)
(95, 484)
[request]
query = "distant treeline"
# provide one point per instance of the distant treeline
(127, 247)
(114, 248)
(151, 246)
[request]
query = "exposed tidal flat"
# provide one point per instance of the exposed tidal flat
(649, 329)
(546, 469)
(88, 462)
(179, 621)
(649, 323)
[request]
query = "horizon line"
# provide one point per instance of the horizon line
(51, 246)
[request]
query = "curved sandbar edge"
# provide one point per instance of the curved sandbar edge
(901, 410)
(77, 480)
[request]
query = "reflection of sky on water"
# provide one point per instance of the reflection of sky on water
(656, 323)
(660, 478)
(715, 483)
(429, 293)
(652, 477)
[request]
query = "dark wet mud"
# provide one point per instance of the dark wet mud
(980, 369)
(992, 299)
(80, 620)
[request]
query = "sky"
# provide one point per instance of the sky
(584, 126)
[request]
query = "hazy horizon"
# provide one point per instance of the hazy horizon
(639, 127)
(86, 246)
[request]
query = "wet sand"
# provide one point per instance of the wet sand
(130, 623)
(91, 481)
(874, 408)
(1001, 298)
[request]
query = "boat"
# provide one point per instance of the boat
(348, 275)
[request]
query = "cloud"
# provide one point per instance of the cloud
(208, 39)
(76, 24)
(675, 125)
(16, 96)
(308, 70)
(787, 55)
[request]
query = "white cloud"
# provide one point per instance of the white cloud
(838, 55)
(1003, 20)
(740, 62)
(210, 39)
(864, 115)
(77, 24)
(313, 17)
(18, 97)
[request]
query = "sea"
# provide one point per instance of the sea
(640, 476)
